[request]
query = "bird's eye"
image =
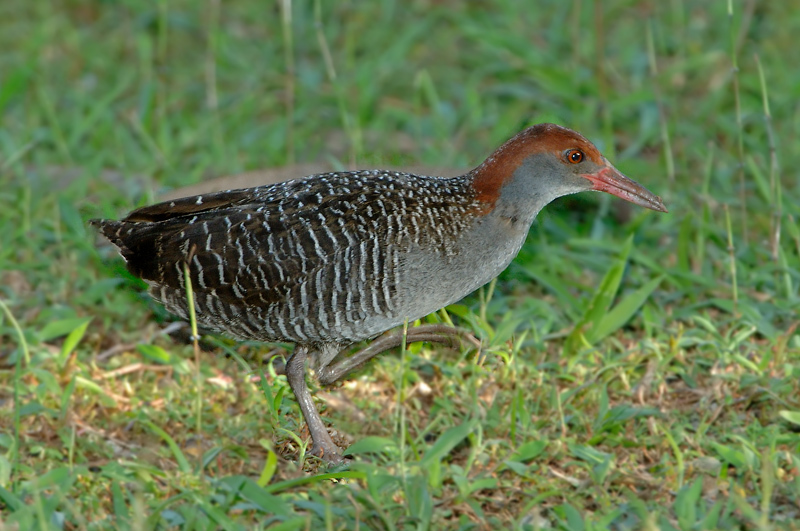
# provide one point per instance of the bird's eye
(575, 156)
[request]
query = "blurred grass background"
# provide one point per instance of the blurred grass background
(667, 400)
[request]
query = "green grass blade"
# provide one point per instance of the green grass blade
(291, 483)
(183, 463)
(270, 464)
(601, 302)
(621, 313)
(373, 444)
(448, 440)
(72, 340)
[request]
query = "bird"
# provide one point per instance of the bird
(329, 260)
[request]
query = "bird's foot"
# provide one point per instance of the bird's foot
(329, 453)
(438, 333)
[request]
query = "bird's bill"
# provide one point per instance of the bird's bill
(611, 180)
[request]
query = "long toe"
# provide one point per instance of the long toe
(330, 453)
(434, 333)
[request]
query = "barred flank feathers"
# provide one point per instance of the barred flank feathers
(303, 261)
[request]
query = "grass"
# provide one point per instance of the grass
(636, 371)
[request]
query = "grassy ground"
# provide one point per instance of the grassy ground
(654, 386)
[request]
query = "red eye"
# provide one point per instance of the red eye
(575, 156)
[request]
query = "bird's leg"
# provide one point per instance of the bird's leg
(322, 444)
(437, 333)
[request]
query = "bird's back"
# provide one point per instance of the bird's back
(322, 259)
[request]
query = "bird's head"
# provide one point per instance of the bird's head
(547, 161)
